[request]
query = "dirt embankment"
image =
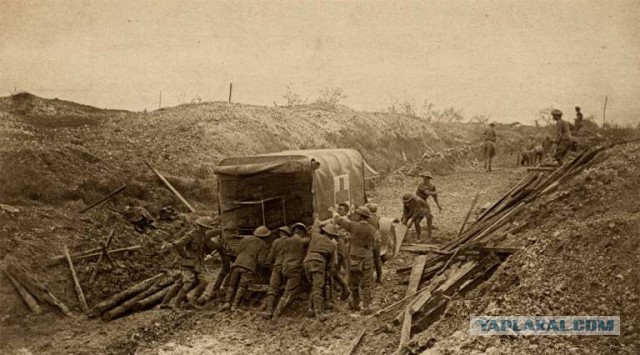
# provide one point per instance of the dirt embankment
(582, 259)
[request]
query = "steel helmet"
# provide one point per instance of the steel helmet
(407, 197)
(206, 222)
(285, 229)
(262, 232)
(299, 225)
(330, 229)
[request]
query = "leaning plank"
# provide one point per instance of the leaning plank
(171, 188)
(121, 296)
(36, 288)
(83, 301)
(356, 341)
(60, 258)
(400, 231)
(26, 296)
(405, 333)
(110, 195)
(416, 274)
(419, 249)
(55, 261)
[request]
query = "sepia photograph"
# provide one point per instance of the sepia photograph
(319, 177)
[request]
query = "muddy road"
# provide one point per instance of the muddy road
(245, 332)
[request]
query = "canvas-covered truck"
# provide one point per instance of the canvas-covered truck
(283, 188)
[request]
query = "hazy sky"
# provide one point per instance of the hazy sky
(507, 59)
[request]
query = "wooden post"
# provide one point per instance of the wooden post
(26, 296)
(80, 256)
(171, 188)
(160, 100)
(473, 204)
(230, 91)
(110, 195)
(83, 301)
(356, 342)
(604, 112)
(102, 256)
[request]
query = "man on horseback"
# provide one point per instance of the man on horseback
(489, 145)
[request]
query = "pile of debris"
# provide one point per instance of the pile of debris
(467, 261)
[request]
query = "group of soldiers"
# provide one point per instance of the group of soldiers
(563, 141)
(344, 249)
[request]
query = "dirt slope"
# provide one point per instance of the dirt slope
(582, 259)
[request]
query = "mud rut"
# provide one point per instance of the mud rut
(245, 332)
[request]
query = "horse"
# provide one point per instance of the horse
(488, 152)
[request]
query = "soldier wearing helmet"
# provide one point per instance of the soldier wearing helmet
(578, 120)
(425, 189)
(414, 210)
(363, 254)
(563, 136)
(244, 268)
(192, 249)
(275, 259)
(320, 257)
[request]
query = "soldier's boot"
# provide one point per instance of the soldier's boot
(354, 305)
(418, 231)
(196, 293)
(227, 300)
(318, 309)
(346, 293)
(429, 227)
(366, 304)
(268, 308)
(238, 298)
(282, 305)
(182, 296)
(328, 296)
(310, 311)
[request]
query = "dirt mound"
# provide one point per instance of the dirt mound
(581, 259)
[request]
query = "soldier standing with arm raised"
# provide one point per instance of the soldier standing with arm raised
(361, 253)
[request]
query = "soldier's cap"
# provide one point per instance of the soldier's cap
(207, 222)
(492, 124)
(285, 229)
(363, 211)
(556, 112)
(407, 197)
(426, 174)
(373, 207)
(330, 229)
(262, 232)
(299, 225)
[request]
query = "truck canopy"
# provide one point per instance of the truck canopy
(289, 186)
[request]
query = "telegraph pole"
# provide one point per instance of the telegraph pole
(230, 91)
(604, 112)
(160, 100)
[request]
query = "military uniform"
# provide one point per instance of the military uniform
(489, 146)
(361, 255)
(192, 249)
(140, 218)
(244, 268)
(320, 257)
(415, 209)
(215, 242)
(294, 249)
(563, 139)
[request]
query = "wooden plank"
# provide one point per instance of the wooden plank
(405, 333)
(36, 288)
(400, 231)
(356, 341)
(24, 294)
(466, 218)
(83, 301)
(416, 274)
(110, 195)
(171, 188)
(542, 168)
(417, 249)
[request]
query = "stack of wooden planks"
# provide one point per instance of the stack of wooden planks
(469, 259)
